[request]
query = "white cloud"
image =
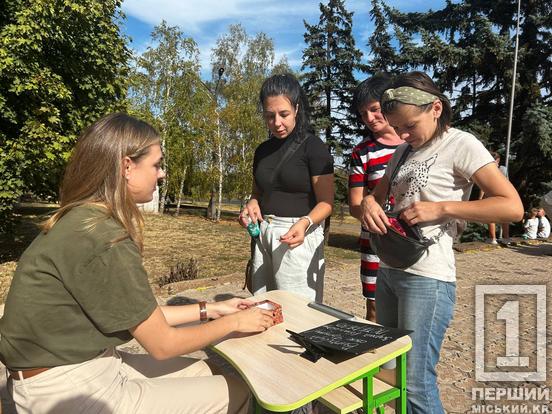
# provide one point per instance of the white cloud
(191, 15)
(282, 20)
(293, 56)
(207, 20)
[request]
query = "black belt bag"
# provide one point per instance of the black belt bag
(397, 250)
(393, 248)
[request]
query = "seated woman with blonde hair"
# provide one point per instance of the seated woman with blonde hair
(80, 290)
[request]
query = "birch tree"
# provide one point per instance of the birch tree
(165, 79)
(247, 61)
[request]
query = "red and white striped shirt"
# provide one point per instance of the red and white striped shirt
(368, 162)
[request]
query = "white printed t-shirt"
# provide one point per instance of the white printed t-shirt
(440, 170)
(531, 227)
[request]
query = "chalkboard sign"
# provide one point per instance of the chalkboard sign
(351, 337)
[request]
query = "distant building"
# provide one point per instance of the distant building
(153, 205)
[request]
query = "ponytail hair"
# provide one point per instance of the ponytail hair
(287, 85)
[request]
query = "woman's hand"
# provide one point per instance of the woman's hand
(295, 236)
(227, 307)
(251, 210)
(253, 320)
(373, 217)
(423, 211)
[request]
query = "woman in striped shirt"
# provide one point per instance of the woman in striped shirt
(368, 162)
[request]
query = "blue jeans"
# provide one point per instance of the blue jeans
(426, 306)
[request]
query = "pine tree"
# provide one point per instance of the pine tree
(330, 60)
(384, 56)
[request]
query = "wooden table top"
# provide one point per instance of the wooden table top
(278, 376)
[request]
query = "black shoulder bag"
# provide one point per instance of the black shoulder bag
(393, 248)
(294, 146)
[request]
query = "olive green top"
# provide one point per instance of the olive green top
(74, 293)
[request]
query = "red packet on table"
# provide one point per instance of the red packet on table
(272, 306)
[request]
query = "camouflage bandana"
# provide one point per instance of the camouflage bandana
(408, 95)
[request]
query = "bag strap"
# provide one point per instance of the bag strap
(290, 150)
(249, 265)
(387, 205)
(404, 155)
(294, 146)
(442, 230)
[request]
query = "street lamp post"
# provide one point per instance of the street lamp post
(509, 134)
(219, 73)
(212, 212)
(219, 147)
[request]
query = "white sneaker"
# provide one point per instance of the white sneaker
(491, 241)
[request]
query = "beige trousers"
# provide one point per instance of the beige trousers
(276, 266)
(118, 382)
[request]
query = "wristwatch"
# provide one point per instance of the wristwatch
(203, 311)
(310, 222)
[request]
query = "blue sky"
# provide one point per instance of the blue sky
(282, 20)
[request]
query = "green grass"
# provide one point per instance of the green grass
(219, 248)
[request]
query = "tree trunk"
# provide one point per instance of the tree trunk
(165, 183)
(474, 92)
(181, 186)
(165, 186)
(211, 206)
(164, 191)
(220, 179)
(327, 224)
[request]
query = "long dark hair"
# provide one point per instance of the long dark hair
(288, 86)
(423, 82)
(369, 90)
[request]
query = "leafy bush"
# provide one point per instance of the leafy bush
(180, 272)
(474, 232)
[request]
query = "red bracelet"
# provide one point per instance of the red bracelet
(203, 311)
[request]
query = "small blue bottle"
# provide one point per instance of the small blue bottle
(253, 228)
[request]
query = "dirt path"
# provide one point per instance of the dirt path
(519, 265)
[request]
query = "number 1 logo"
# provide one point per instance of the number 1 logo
(508, 366)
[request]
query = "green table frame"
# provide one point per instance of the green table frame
(287, 381)
(371, 401)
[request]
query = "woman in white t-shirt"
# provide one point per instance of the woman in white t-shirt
(431, 189)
